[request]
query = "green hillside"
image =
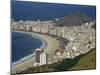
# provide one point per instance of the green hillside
(86, 62)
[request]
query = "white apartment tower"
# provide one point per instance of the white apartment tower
(27, 27)
(43, 58)
(40, 57)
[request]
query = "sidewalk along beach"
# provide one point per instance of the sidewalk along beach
(50, 45)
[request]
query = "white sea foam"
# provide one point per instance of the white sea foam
(23, 59)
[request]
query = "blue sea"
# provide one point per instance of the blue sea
(23, 10)
(24, 44)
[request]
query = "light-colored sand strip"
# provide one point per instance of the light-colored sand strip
(52, 44)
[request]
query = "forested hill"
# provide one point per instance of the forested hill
(74, 19)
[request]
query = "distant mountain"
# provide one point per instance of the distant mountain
(74, 19)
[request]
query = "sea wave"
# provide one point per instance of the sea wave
(23, 59)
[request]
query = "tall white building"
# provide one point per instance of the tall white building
(40, 57)
(43, 58)
(27, 27)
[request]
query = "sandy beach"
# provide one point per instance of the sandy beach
(52, 44)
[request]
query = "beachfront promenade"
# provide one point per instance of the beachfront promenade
(62, 42)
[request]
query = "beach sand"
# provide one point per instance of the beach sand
(52, 45)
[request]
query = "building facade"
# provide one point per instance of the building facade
(37, 53)
(43, 58)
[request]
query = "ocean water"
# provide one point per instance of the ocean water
(22, 10)
(23, 45)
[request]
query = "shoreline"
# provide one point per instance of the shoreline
(51, 44)
(43, 46)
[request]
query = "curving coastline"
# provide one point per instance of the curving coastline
(49, 44)
(44, 44)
